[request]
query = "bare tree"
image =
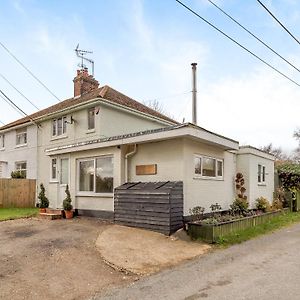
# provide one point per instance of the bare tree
(276, 151)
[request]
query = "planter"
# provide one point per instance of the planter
(42, 210)
(69, 214)
(211, 232)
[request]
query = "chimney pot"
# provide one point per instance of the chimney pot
(84, 83)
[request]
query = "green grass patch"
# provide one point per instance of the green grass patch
(17, 213)
(277, 222)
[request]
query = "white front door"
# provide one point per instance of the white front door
(64, 175)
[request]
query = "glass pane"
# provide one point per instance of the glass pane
(54, 127)
(209, 167)
(104, 175)
(59, 126)
(64, 171)
(259, 173)
(53, 169)
(263, 173)
(220, 168)
(64, 120)
(197, 163)
(91, 118)
(86, 176)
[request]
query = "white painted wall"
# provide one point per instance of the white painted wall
(13, 153)
(248, 166)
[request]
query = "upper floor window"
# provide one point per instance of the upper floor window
(261, 177)
(2, 141)
(208, 167)
(21, 136)
(59, 126)
(91, 118)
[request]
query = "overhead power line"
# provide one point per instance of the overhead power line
(237, 43)
(12, 104)
(253, 35)
(2, 122)
(27, 69)
(18, 91)
(280, 23)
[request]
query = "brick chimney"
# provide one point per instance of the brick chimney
(84, 83)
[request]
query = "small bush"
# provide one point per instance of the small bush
(239, 206)
(197, 212)
(67, 201)
(18, 175)
(44, 202)
(277, 204)
(263, 204)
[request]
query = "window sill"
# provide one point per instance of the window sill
(208, 178)
(60, 137)
(262, 184)
(2, 149)
(21, 145)
(90, 194)
(53, 181)
(90, 131)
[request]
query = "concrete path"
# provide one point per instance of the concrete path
(264, 268)
(144, 252)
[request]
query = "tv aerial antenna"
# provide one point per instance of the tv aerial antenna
(81, 54)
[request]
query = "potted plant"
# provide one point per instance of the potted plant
(44, 202)
(67, 204)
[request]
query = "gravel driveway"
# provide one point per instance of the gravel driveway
(41, 259)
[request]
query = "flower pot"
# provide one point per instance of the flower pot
(42, 210)
(69, 214)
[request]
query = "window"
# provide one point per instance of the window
(208, 167)
(96, 175)
(2, 141)
(21, 136)
(53, 169)
(64, 171)
(91, 118)
(261, 175)
(21, 166)
(59, 126)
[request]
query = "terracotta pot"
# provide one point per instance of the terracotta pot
(42, 210)
(69, 214)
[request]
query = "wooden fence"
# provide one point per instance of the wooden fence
(17, 193)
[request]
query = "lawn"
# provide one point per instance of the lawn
(17, 213)
(246, 234)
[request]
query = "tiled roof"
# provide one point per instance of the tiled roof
(104, 92)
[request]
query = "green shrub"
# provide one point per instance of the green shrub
(18, 174)
(263, 204)
(239, 206)
(44, 202)
(67, 201)
(196, 212)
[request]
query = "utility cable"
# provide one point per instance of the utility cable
(237, 43)
(27, 69)
(15, 106)
(4, 78)
(273, 16)
(2, 122)
(253, 35)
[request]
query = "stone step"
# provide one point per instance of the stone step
(54, 211)
(51, 216)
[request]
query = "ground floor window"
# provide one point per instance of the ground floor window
(96, 174)
(261, 178)
(21, 167)
(208, 167)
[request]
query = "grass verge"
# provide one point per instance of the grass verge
(17, 213)
(277, 222)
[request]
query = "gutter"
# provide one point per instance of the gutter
(129, 154)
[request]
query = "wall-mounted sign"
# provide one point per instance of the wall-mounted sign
(146, 169)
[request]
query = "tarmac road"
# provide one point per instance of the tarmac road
(267, 267)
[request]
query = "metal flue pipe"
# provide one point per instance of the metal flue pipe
(194, 92)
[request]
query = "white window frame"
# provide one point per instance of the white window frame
(2, 141)
(92, 193)
(201, 176)
(20, 132)
(54, 179)
(55, 125)
(88, 118)
(261, 175)
(21, 162)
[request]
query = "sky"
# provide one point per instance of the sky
(144, 49)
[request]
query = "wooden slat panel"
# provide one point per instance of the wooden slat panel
(146, 169)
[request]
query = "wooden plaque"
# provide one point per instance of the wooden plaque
(146, 169)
